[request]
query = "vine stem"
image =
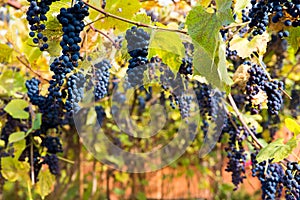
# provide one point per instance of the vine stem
(241, 118)
(105, 35)
(107, 14)
(27, 65)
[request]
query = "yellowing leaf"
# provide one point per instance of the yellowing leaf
(277, 150)
(46, 183)
(122, 8)
(167, 46)
(16, 109)
(245, 48)
(14, 170)
(292, 125)
(5, 53)
(16, 136)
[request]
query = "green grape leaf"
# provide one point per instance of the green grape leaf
(45, 184)
(121, 8)
(292, 125)
(37, 121)
(204, 27)
(14, 170)
(168, 46)
(222, 67)
(213, 68)
(294, 38)
(277, 150)
(16, 109)
(16, 136)
(5, 53)
(245, 48)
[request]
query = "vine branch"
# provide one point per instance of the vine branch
(107, 14)
(241, 118)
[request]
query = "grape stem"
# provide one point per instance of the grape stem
(107, 14)
(241, 118)
(105, 35)
(27, 65)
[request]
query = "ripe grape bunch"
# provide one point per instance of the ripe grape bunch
(235, 152)
(259, 85)
(138, 42)
(285, 12)
(270, 176)
(66, 86)
(36, 15)
(102, 79)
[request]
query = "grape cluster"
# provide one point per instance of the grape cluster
(270, 176)
(102, 79)
(75, 84)
(291, 181)
(235, 152)
(137, 46)
(53, 163)
(283, 11)
(52, 144)
(186, 67)
(72, 23)
(203, 93)
(35, 16)
(258, 83)
(65, 88)
(100, 112)
(185, 105)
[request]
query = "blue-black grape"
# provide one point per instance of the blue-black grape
(270, 176)
(137, 46)
(258, 82)
(36, 15)
(53, 163)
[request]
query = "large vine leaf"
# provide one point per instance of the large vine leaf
(204, 29)
(16, 109)
(292, 125)
(45, 184)
(277, 150)
(122, 8)
(14, 170)
(167, 46)
(213, 68)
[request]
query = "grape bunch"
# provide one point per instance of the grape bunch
(235, 152)
(186, 67)
(102, 79)
(270, 176)
(137, 46)
(52, 144)
(291, 181)
(100, 112)
(285, 12)
(75, 84)
(259, 85)
(36, 15)
(53, 163)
